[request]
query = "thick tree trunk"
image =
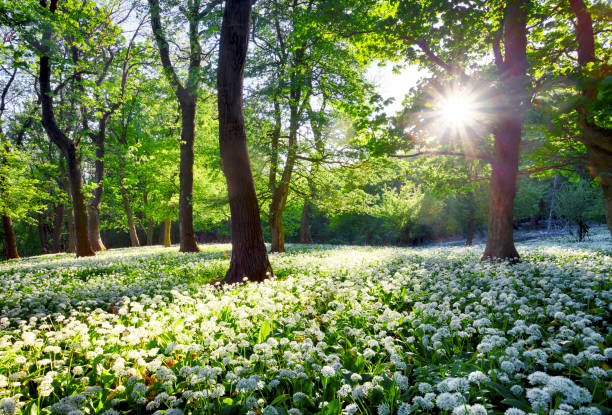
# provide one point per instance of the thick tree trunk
(305, 236)
(188, 241)
(57, 228)
(500, 233)
(277, 232)
(94, 228)
(162, 232)
(68, 147)
(94, 204)
(507, 134)
(167, 225)
(127, 207)
(249, 257)
(82, 244)
(9, 236)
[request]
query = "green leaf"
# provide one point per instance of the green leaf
(264, 331)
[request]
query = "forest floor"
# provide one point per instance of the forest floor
(338, 330)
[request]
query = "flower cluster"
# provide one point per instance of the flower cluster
(340, 330)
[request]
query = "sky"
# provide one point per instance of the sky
(391, 85)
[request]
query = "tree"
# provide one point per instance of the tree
(67, 146)
(187, 96)
(596, 129)
(299, 67)
(249, 257)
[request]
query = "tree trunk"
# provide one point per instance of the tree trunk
(552, 205)
(277, 232)
(167, 225)
(471, 221)
(305, 236)
(42, 235)
(128, 213)
(94, 203)
(82, 244)
(150, 225)
(188, 241)
(249, 257)
(162, 232)
(607, 194)
(57, 228)
(280, 192)
(68, 147)
(9, 235)
(507, 134)
(70, 231)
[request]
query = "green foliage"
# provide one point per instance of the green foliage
(581, 204)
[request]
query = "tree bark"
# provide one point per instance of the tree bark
(94, 203)
(42, 235)
(188, 241)
(167, 225)
(130, 216)
(597, 140)
(9, 236)
(305, 236)
(249, 257)
(471, 221)
(552, 205)
(67, 146)
(507, 134)
(150, 225)
(70, 231)
(57, 228)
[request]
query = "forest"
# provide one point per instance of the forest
(305, 207)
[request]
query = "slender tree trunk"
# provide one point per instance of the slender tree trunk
(305, 236)
(552, 205)
(42, 235)
(188, 241)
(57, 228)
(471, 221)
(249, 257)
(128, 213)
(94, 203)
(281, 192)
(507, 134)
(67, 146)
(70, 231)
(597, 139)
(9, 235)
(167, 225)
(150, 226)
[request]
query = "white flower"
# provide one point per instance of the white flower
(328, 371)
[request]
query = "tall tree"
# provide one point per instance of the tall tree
(597, 138)
(187, 94)
(67, 146)
(249, 257)
(512, 68)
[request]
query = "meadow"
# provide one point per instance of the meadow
(339, 330)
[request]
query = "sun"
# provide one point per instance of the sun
(457, 110)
